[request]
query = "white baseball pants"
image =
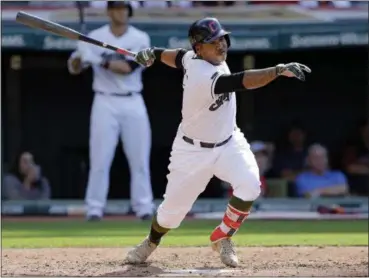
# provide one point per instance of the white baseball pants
(191, 168)
(125, 117)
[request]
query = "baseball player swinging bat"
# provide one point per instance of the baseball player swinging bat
(57, 29)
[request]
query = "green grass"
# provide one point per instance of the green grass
(77, 233)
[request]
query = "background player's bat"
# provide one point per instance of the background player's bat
(52, 27)
(81, 16)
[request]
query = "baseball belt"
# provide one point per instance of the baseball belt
(206, 144)
(129, 94)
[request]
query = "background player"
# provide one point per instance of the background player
(208, 141)
(118, 111)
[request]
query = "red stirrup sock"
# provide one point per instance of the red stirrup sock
(232, 221)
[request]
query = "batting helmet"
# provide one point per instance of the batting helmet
(207, 30)
(118, 4)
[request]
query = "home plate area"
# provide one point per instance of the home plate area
(199, 272)
(145, 270)
(191, 261)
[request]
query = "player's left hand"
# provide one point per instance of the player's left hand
(145, 57)
(293, 70)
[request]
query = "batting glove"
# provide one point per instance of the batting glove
(293, 70)
(145, 57)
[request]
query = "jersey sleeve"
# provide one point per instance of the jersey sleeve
(78, 53)
(184, 58)
(73, 56)
(146, 42)
(91, 54)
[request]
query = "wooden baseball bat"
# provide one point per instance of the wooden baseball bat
(57, 29)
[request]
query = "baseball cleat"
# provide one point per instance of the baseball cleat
(225, 248)
(141, 252)
(93, 218)
(146, 217)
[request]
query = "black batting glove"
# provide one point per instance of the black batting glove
(145, 57)
(293, 70)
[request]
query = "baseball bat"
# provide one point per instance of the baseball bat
(60, 30)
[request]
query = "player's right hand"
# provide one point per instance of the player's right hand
(145, 57)
(76, 64)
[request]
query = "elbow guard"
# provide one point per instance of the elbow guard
(229, 83)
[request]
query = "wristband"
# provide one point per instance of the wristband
(278, 69)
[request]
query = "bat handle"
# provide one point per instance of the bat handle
(125, 52)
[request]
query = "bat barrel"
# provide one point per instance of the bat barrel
(48, 26)
(57, 29)
(24, 18)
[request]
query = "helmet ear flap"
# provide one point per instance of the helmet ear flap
(194, 47)
(130, 10)
(228, 40)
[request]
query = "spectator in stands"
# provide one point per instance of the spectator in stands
(54, 4)
(319, 180)
(317, 4)
(291, 154)
(275, 2)
(147, 4)
(355, 161)
(25, 180)
(263, 154)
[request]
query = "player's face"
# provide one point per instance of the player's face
(214, 52)
(118, 15)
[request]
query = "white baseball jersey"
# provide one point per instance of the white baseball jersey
(105, 80)
(206, 116)
(115, 117)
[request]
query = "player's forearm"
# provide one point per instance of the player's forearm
(249, 79)
(167, 56)
(338, 189)
(254, 79)
(171, 57)
(120, 67)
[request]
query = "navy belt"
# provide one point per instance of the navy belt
(116, 94)
(205, 144)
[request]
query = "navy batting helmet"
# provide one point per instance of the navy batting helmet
(118, 4)
(207, 30)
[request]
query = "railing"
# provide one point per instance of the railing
(350, 206)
